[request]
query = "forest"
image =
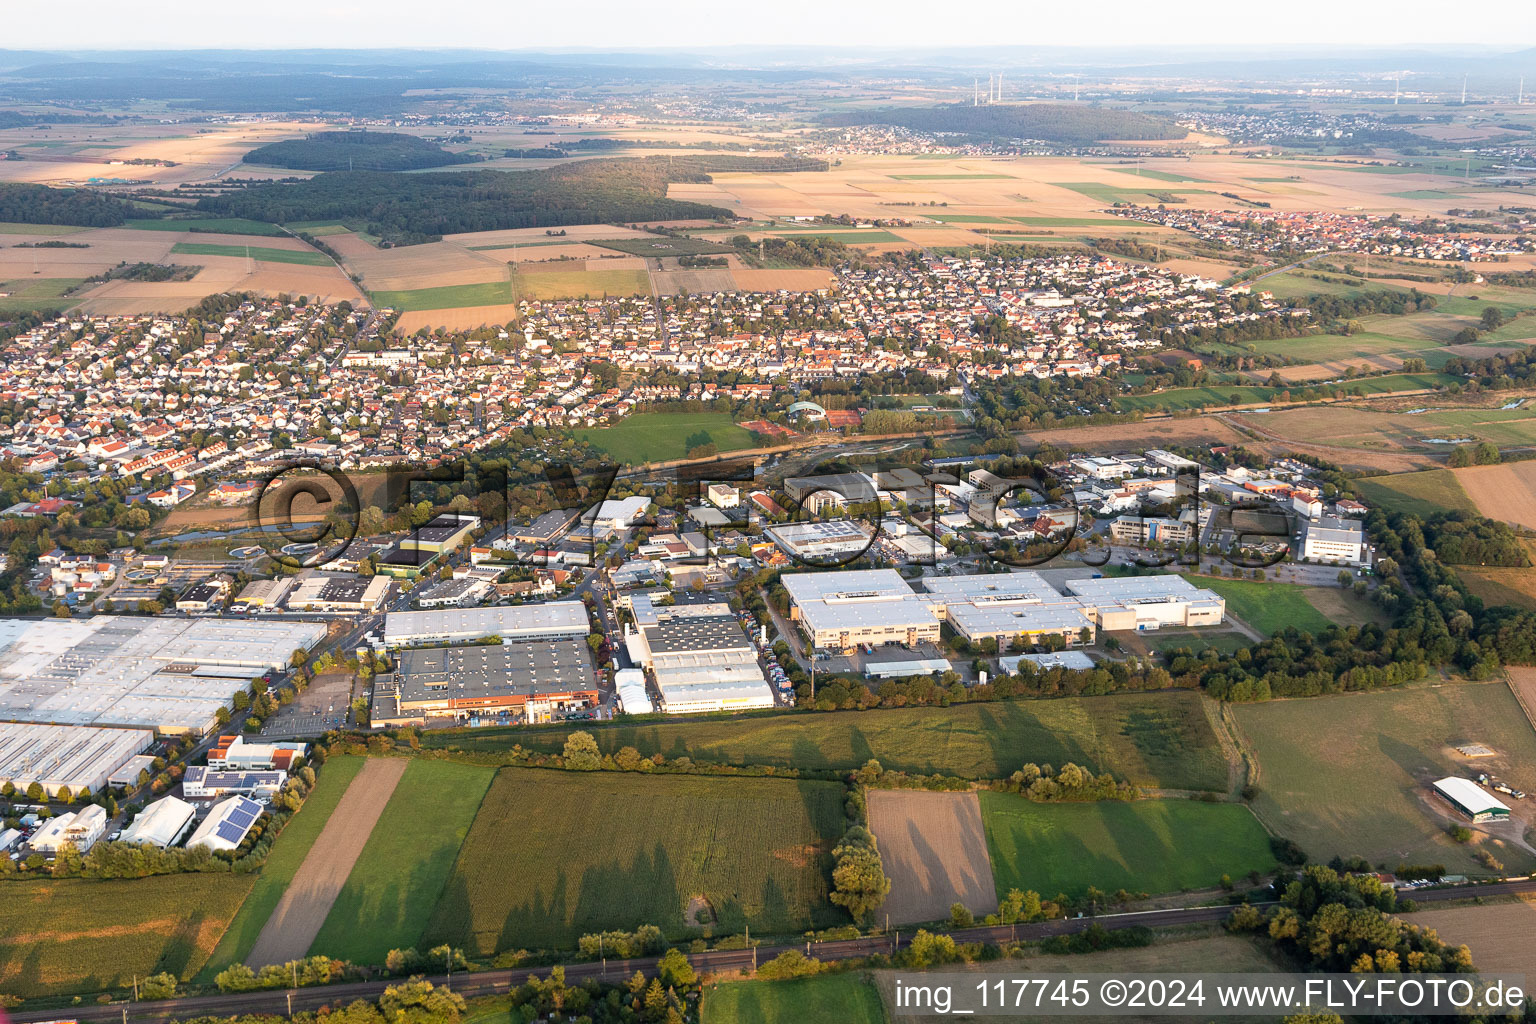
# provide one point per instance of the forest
(39, 204)
(359, 151)
(408, 208)
(1048, 122)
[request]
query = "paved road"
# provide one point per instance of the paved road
(277, 1001)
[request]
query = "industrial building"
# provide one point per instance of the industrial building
(1074, 660)
(227, 824)
(236, 753)
(1331, 539)
(815, 494)
(1148, 602)
(700, 663)
(554, 620)
(81, 758)
(171, 675)
(535, 678)
(163, 823)
(355, 594)
(861, 607)
(629, 685)
(543, 530)
(1470, 799)
(444, 533)
(832, 541)
(202, 783)
(1138, 530)
(262, 595)
(81, 828)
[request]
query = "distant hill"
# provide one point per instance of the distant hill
(1071, 123)
(357, 151)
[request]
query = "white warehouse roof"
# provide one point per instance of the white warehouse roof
(161, 823)
(1470, 795)
(554, 619)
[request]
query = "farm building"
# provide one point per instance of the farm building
(1468, 798)
(554, 620)
(81, 758)
(227, 824)
(536, 678)
(162, 823)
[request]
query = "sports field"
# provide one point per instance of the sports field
(554, 855)
(262, 254)
(1266, 606)
(1160, 739)
(1150, 846)
(399, 876)
(1348, 774)
(1423, 493)
(846, 998)
(658, 436)
(287, 854)
(85, 935)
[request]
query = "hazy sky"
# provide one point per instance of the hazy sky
(517, 24)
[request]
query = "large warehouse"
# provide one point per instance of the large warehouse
(171, 675)
(55, 756)
(555, 620)
(1148, 602)
(830, 542)
(1470, 799)
(537, 678)
(340, 594)
(859, 607)
(162, 823)
(701, 663)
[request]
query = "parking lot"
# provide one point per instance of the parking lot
(325, 704)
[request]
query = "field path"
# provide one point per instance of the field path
(297, 918)
(934, 848)
(1523, 682)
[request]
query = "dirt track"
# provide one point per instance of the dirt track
(934, 849)
(297, 918)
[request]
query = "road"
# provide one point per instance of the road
(280, 1001)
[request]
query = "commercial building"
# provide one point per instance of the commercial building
(262, 595)
(1139, 530)
(862, 607)
(534, 678)
(1075, 660)
(207, 596)
(616, 515)
(700, 662)
(460, 593)
(1330, 539)
(545, 529)
(830, 542)
(81, 828)
(162, 823)
(352, 594)
(227, 824)
(80, 758)
(444, 533)
(723, 496)
(127, 774)
(201, 783)
(1470, 799)
(1148, 602)
(171, 675)
(235, 753)
(553, 620)
(816, 494)
(629, 684)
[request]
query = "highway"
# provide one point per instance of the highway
(482, 983)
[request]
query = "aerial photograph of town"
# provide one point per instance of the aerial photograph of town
(689, 514)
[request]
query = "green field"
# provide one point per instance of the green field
(1158, 739)
(221, 225)
(1147, 172)
(304, 257)
(967, 218)
(662, 245)
(1189, 398)
(42, 294)
(1150, 846)
(1296, 285)
(855, 237)
(579, 284)
(1347, 774)
(489, 293)
(283, 863)
(13, 228)
(658, 436)
(1423, 493)
(399, 876)
(1120, 193)
(84, 935)
(1266, 606)
(844, 998)
(554, 855)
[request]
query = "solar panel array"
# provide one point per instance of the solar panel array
(238, 820)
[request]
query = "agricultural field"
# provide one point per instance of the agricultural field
(1381, 750)
(85, 935)
(263, 254)
(397, 879)
(1267, 606)
(486, 293)
(581, 284)
(40, 293)
(1498, 934)
(1153, 846)
(617, 850)
(1154, 740)
(934, 850)
(1505, 492)
(1499, 585)
(846, 998)
(221, 225)
(1365, 426)
(661, 245)
(282, 863)
(1423, 493)
(659, 436)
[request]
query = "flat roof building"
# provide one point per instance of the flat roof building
(81, 758)
(861, 607)
(553, 620)
(201, 782)
(340, 594)
(829, 541)
(1330, 539)
(535, 678)
(701, 662)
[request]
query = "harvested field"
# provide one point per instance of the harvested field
(579, 284)
(1499, 934)
(297, 918)
(1505, 492)
(694, 282)
(808, 279)
(1423, 494)
(934, 849)
(546, 253)
(1523, 682)
(418, 267)
(463, 318)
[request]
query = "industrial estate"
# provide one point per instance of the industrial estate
(594, 537)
